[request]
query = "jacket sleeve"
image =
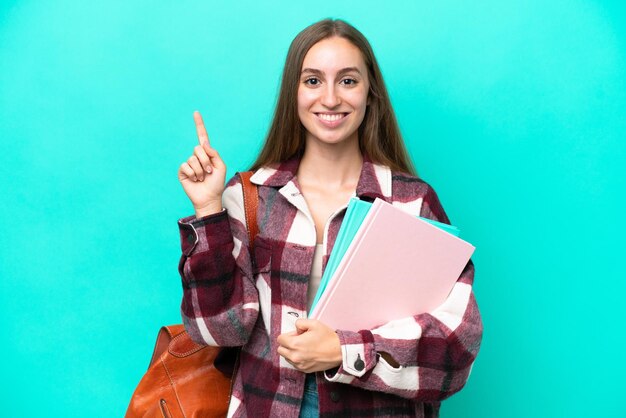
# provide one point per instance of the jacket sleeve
(434, 352)
(220, 302)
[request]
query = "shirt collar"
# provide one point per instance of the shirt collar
(374, 180)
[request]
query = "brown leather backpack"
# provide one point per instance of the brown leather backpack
(186, 379)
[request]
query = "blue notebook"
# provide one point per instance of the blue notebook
(355, 214)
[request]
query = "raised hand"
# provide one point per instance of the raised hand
(202, 175)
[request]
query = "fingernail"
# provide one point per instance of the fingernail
(208, 169)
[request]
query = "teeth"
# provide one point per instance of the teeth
(330, 118)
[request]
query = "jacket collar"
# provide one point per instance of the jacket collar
(374, 180)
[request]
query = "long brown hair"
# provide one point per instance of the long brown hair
(379, 134)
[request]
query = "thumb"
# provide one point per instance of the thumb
(303, 325)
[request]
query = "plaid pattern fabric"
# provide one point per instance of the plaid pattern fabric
(228, 300)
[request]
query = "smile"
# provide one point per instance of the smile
(331, 119)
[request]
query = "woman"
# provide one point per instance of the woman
(333, 136)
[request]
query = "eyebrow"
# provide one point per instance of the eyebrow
(342, 71)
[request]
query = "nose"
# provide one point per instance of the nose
(330, 98)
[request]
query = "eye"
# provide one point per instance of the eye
(349, 81)
(312, 81)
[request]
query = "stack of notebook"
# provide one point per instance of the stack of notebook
(387, 264)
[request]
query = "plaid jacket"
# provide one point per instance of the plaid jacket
(230, 301)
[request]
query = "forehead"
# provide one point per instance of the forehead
(332, 54)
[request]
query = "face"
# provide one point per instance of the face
(332, 93)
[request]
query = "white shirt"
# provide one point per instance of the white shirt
(316, 274)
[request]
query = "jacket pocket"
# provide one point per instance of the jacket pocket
(262, 257)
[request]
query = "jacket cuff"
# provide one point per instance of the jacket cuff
(358, 356)
(200, 234)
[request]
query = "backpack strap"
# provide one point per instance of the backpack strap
(166, 335)
(250, 205)
(227, 360)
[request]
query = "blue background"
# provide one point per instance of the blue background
(514, 111)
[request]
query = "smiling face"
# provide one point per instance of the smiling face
(333, 90)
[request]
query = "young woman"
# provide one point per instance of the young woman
(333, 136)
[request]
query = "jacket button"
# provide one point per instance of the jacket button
(359, 364)
(191, 239)
(334, 396)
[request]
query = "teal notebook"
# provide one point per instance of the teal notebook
(355, 214)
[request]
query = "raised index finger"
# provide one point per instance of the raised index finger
(203, 137)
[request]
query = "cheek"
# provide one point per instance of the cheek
(305, 99)
(358, 99)
(304, 104)
(360, 105)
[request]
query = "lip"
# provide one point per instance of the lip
(331, 123)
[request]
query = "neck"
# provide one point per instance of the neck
(334, 165)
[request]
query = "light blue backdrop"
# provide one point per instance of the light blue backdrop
(514, 111)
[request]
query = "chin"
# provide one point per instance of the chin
(331, 140)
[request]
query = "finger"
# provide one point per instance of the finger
(303, 325)
(286, 339)
(294, 365)
(203, 137)
(205, 162)
(291, 357)
(216, 160)
(197, 168)
(187, 171)
(284, 352)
